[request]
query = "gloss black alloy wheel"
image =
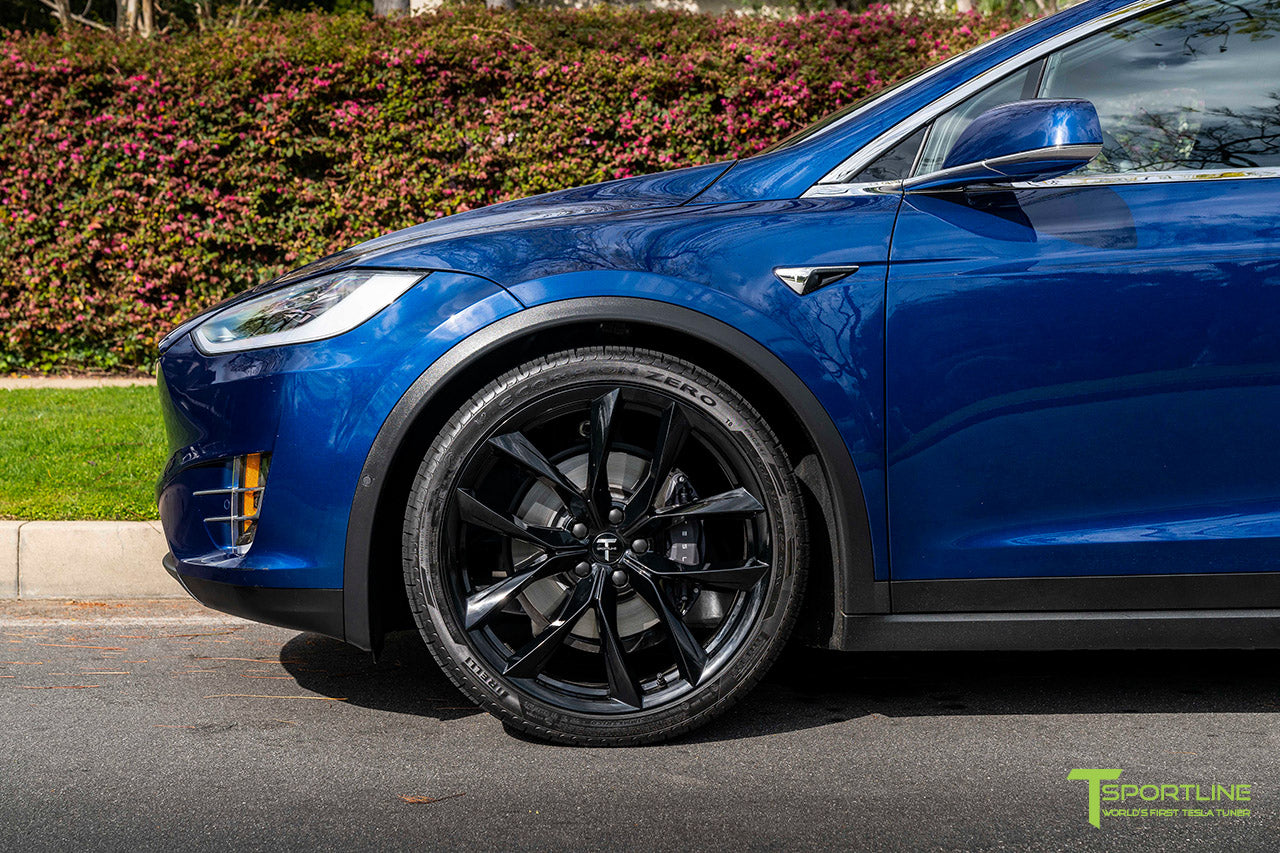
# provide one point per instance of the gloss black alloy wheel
(605, 546)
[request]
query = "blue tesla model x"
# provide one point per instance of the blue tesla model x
(989, 360)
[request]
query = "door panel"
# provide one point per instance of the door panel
(1085, 381)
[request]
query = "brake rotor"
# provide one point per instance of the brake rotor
(542, 600)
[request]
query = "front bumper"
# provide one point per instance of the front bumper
(315, 409)
(318, 610)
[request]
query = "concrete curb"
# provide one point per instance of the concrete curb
(18, 383)
(84, 559)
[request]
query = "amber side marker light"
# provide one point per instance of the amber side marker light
(252, 476)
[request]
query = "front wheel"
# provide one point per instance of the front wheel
(605, 546)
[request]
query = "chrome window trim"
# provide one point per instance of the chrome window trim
(1172, 177)
(836, 183)
(846, 190)
(1066, 181)
(924, 143)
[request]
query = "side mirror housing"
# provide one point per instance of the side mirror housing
(1022, 141)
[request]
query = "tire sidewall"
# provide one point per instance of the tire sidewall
(425, 565)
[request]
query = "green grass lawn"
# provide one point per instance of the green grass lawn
(71, 453)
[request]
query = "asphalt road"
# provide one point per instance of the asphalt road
(164, 727)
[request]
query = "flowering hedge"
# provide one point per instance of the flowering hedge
(141, 181)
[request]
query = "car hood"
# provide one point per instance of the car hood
(666, 189)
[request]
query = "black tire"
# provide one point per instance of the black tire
(725, 568)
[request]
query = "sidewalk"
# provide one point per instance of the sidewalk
(84, 560)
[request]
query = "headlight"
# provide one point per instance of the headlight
(307, 311)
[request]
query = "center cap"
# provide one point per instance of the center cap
(607, 548)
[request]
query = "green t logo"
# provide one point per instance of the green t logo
(1095, 778)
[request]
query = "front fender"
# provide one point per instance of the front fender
(830, 341)
(673, 306)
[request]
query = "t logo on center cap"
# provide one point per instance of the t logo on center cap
(607, 548)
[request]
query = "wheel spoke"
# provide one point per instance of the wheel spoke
(735, 503)
(621, 684)
(533, 656)
(530, 642)
(742, 576)
(690, 656)
(473, 511)
(518, 447)
(484, 604)
(602, 420)
(673, 430)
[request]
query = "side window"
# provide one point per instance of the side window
(894, 164)
(948, 126)
(1190, 86)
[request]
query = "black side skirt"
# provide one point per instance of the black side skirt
(1116, 629)
(1202, 591)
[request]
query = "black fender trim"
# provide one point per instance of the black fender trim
(855, 590)
(316, 610)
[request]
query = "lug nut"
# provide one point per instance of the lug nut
(619, 577)
(615, 516)
(582, 569)
(640, 546)
(579, 530)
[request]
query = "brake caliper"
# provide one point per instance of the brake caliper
(684, 540)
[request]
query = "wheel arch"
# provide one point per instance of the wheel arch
(373, 594)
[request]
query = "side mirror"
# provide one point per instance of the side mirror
(1022, 141)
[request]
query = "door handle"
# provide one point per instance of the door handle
(805, 280)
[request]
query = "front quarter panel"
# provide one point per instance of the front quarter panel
(316, 408)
